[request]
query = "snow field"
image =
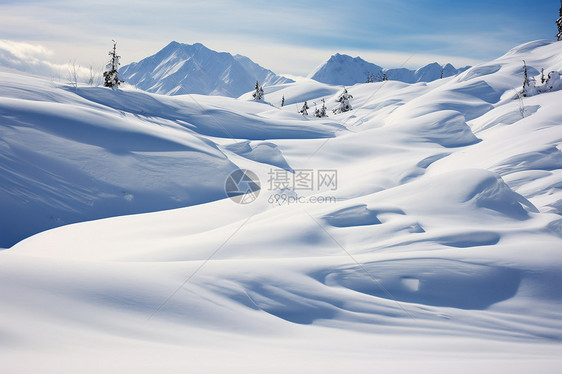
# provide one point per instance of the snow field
(442, 252)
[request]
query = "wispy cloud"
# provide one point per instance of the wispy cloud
(35, 59)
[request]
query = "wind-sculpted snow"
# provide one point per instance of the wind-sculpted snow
(445, 127)
(264, 152)
(457, 284)
(353, 216)
(437, 239)
(479, 71)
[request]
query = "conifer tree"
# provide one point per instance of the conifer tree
(322, 111)
(283, 100)
(258, 93)
(111, 76)
(304, 109)
(525, 79)
(343, 99)
(530, 87)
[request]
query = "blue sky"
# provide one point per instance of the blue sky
(286, 36)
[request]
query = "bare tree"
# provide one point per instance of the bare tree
(73, 69)
(91, 76)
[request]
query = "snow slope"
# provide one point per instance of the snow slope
(75, 156)
(183, 68)
(347, 71)
(441, 253)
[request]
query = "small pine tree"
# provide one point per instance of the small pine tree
(553, 81)
(283, 100)
(525, 79)
(304, 109)
(370, 77)
(529, 84)
(111, 76)
(322, 111)
(344, 99)
(381, 77)
(526, 83)
(258, 93)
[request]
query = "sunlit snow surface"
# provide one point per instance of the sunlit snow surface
(443, 252)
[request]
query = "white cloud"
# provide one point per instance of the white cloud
(35, 59)
(24, 50)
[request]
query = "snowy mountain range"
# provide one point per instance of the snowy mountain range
(183, 68)
(179, 69)
(345, 70)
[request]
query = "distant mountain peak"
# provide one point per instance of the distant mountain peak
(180, 68)
(341, 69)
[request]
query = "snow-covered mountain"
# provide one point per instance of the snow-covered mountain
(435, 234)
(183, 68)
(346, 70)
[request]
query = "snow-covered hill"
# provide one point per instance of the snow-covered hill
(70, 156)
(195, 69)
(347, 71)
(435, 243)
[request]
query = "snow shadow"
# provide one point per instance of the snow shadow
(472, 239)
(358, 215)
(264, 152)
(479, 71)
(296, 306)
(207, 120)
(436, 282)
(545, 159)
